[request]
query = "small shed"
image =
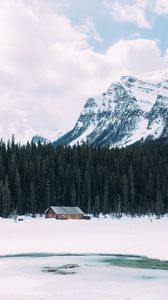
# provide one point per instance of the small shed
(64, 212)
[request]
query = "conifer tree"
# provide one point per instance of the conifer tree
(32, 199)
(105, 207)
(96, 208)
(125, 193)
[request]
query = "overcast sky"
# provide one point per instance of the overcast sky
(54, 54)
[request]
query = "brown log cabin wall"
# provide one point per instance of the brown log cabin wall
(69, 217)
(50, 214)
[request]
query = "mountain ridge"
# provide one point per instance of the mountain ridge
(132, 109)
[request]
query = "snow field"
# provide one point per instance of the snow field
(138, 236)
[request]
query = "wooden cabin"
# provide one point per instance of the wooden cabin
(64, 213)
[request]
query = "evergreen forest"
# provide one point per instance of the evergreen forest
(131, 181)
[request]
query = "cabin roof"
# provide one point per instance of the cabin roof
(65, 210)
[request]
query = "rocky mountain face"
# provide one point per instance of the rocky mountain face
(132, 109)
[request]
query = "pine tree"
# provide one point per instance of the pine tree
(159, 206)
(87, 199)
(105, 208)
(118, 207)
(1, 197)
(48, 194)
(18, 193)
(5, 199)
(32, 199)
(73, 196)
(132, 190)
(96, 208)
(125, 193)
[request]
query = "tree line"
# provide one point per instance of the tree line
(131, 181)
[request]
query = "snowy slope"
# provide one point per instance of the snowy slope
(132, 109)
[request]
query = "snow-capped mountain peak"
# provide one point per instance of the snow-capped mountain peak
(134, 108)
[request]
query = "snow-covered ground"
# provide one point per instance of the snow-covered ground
(140, 236)
(21, 278)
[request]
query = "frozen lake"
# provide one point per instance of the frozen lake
(98, 277)
(94, 277)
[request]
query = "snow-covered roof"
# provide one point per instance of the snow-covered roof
(64, 210)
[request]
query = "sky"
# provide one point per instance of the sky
(54, 54)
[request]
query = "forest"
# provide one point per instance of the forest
(130, 181)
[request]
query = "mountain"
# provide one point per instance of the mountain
(132, 109)
(36, 139)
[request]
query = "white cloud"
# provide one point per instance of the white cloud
(139, 55)
(89, 28)
(48, 69)
(161, 7)
(141, 12)
(132, 13)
